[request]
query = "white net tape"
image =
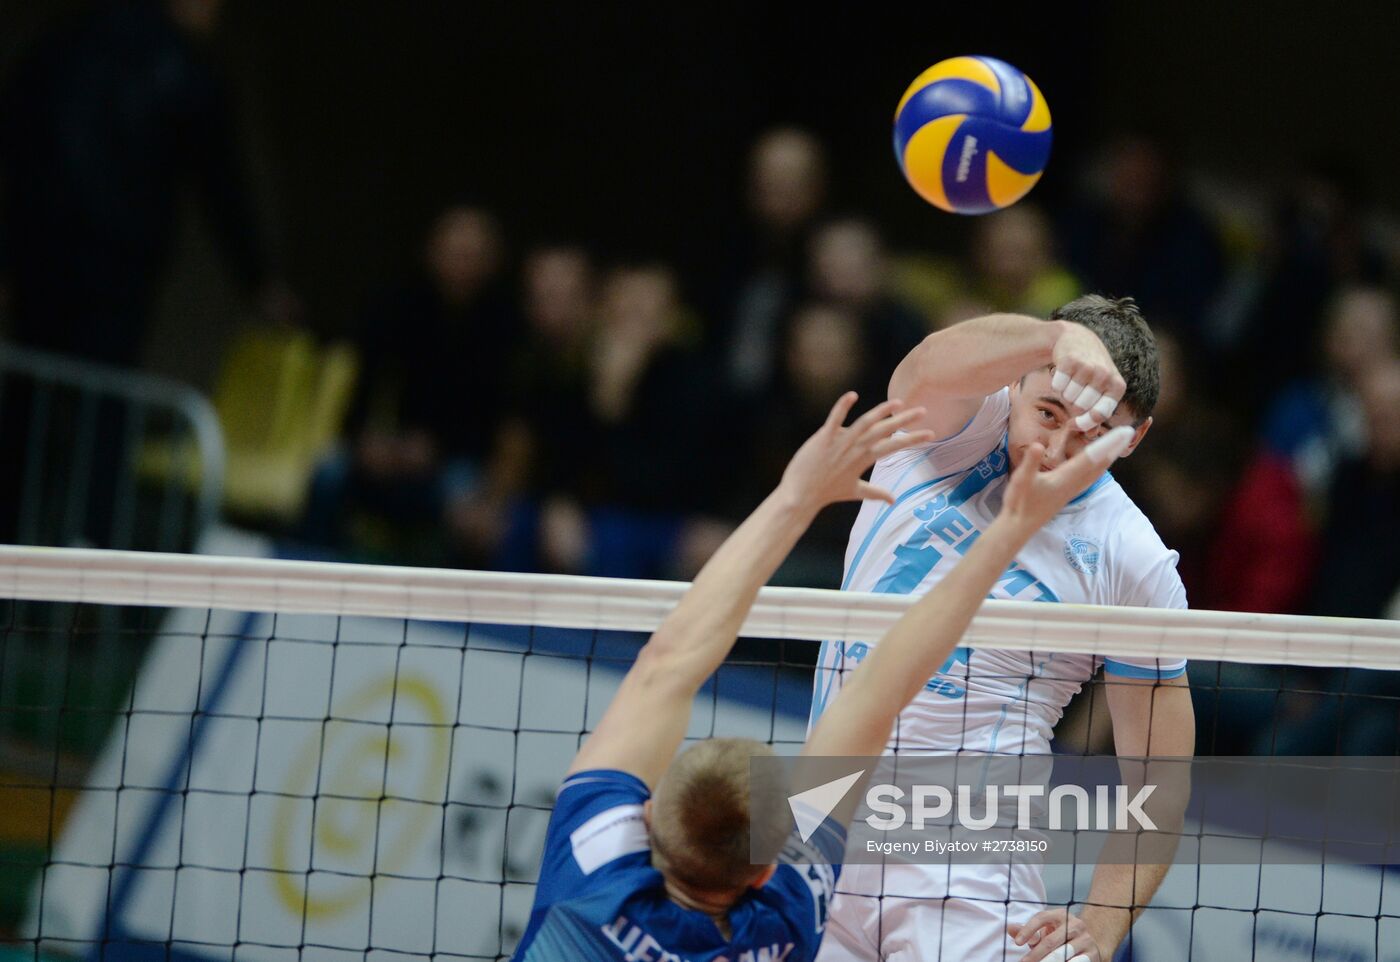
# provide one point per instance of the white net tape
(213, 822)
(306, 587)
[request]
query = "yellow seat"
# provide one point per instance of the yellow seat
(281, 400)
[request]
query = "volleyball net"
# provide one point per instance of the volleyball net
(327, 761)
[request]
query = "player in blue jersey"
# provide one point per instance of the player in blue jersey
(991, 388)
(647, 855)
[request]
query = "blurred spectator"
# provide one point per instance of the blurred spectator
(1015, 269)
(1263, 520)
(1233, 525)
(825, 357)
(848, 269)
(543, 437)
(1181, 480)
(787, 186)
(787, 189)
(103, 123)
(1316, 243)
(1315, 423)
(1139, 235)
(650, 456)
(1359, 567)
(1230, 514)
(1011, 268)
(1351, 711)
(430, 399)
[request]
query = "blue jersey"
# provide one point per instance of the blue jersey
(600, 900)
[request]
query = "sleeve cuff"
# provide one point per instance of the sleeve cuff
(610, 776)
(1124, 670)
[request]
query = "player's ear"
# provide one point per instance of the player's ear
(762, 878)
(646, 814)
(1138, 435)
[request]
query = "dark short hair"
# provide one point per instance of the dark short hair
(1123, 330)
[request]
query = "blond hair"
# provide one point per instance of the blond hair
(702, 815)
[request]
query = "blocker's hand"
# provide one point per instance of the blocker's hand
(1056, 935)
(828, 466)
(1034, 496)
(1086, 377)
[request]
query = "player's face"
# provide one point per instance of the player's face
(1039, 414)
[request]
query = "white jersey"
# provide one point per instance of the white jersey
(1099, 550)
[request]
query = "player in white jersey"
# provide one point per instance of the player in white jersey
(627, 876)
(992, 387)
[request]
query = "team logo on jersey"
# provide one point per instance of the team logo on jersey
(1083, 554)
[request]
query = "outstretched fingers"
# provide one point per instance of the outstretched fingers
(869, 492)
(841, 409)
(895, 420)
(876, 414)
(913, 439)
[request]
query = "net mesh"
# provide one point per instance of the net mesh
(335, 786)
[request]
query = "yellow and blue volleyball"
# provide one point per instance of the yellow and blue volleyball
(972, 135)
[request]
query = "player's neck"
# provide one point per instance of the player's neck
(714, 905)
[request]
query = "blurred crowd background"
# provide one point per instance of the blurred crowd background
(560, 289)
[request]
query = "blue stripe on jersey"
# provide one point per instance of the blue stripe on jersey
(824, 692)
(1037, 669)
(1103, 479)
(899, 499)
(879, 522)
(915, 558)
(1124, 670)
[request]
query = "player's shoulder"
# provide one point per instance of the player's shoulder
(1105, 531)
(598, 818)
(959, 451)
(606, 784)
(1141, 568)
(1111, 513)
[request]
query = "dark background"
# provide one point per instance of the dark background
(626, 125)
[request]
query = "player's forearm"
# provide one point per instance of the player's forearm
(1117, 897)
(858, 722)
(1133, 864)
(975, 358)
(647, 720)
(697, 636)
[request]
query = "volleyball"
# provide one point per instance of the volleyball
(972, 135)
